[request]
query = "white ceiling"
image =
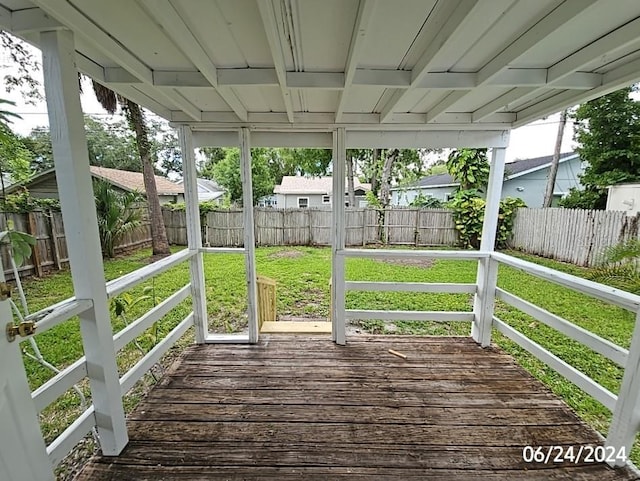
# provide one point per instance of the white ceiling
(426, 64)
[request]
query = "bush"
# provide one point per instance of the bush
(426, 202)
(585, 199)
(22, 202)
(468, 216)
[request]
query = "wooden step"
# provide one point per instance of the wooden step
(296, 327)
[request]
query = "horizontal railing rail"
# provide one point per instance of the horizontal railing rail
(403, 254)
(128, 281)
(73, 374)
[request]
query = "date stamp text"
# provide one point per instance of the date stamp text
(573, 454)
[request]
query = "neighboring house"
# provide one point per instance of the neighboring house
(625, 197)
(208, 191)
(305, 192)
(525, 178)
(45, 186)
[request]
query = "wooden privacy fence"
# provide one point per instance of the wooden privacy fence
(571, 235)
(50, 251)
(273, 227)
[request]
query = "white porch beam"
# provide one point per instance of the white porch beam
(271, 30)
(29, 20)
(194, 235)
(229, 138)
(612, 42)
(79, 215)
(338, 233)
(613, 80)
(315, 80)
(487, 277)
(553, 21)
(66, 13)
(488, 109)
(358, 36)
(172, 19)
(450, 16)
(420, 139)
(249, 233)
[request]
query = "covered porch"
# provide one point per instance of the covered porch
(300, 73)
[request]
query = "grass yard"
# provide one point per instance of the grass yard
(303, 275)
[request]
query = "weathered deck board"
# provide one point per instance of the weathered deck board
(303, 408)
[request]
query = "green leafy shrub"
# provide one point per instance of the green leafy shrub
(620, 266)
(468, 215)
(22, 202)
(426, 202)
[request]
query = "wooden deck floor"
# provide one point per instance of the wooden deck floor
(303, 408)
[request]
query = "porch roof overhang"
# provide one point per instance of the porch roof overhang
(368, 65)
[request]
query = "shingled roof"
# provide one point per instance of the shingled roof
(134, 181)
(512, 169)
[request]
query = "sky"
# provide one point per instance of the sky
(533, 140)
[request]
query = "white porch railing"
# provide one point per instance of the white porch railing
(622, 404)
(55, 387)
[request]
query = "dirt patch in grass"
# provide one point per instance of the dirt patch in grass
(286, 254)
(423, 263)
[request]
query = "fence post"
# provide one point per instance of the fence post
(81, 226)
(55, 249)
(36, 258)
(626, 418)
(487, 276)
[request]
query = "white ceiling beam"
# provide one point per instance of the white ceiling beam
(610, 43)
(449, 16)
(271, 30)
(247, 77)
(31, 20)
(66, 13)
(382, 78)
(358, 36)
(553, 21)
(613, 80)
(446, 103)
(173, 22)
(315, 80)
(431, 139)
(498, 103)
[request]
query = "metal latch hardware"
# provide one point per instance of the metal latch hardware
(24, 329)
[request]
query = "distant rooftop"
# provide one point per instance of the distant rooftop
(292, 184)
(512, 169)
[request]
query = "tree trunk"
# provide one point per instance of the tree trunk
(385, 180)
(159, 242)
(350, 187)
(555, 161)
(374, 175)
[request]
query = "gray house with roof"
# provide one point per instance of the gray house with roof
(526, 179)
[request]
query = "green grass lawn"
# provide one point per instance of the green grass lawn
(303, 275)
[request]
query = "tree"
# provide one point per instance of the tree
(117, 214)
(25, 64)
(135, 117)
(469, 167)
(227, 173)
(15, 158)
(607, 130)
(212, 155)
(555, 161)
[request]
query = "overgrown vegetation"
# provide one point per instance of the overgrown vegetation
(117, 214)
(620, 266)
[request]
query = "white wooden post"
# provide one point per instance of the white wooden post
(487, 276)
(81, 228)
(626, 415)
(249, 233)
(194, 234)
(338, 333)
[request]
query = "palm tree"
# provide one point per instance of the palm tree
(117, 214)
(135, 117)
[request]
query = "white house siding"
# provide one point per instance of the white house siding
(405, 197)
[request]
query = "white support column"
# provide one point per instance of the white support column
(81, 227)
(194, 234)
(487, 276)
(249, 235)
(626, 415)
(338, 333)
